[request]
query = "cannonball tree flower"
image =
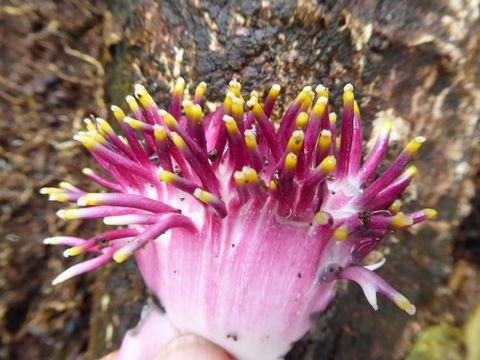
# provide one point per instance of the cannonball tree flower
(240, 225)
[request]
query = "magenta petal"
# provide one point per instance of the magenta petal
(145, 340)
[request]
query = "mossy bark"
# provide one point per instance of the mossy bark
(415, 63)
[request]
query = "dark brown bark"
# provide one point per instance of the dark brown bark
(416, 63)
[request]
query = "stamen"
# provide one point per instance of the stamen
(321, 91)
(302, 121)
(138, 125)
(208, 178)
(96, 212)
(125, 200)
(267, 129)
(324, 145)
(313, 129)
(371, 283)
(153, 232)
(253, 151)
(422, 215)
(176, 101)
(385, 197)
(143, 96)
(238, 152)
(178, 181)
(84, 267)
(378, 152)
(296, 141)
(271, 97)
(102, 181)
(137, 150)
(394, 169)
(199, 93)
(210, 199)
(235, 87)
(347, 131)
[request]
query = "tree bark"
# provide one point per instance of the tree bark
(415, 63)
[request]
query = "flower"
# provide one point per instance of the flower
(239, 227)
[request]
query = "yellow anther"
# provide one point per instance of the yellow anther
(159, 132)
(272, 185)
(322, 218)
(168, 119)
(200, 90)
(73, 251)
(230, 124)
(257, 109)
(340, 234)
(204, 196)
(194, 113)
(89, 125)
(430, 213)
(324, 141)
(301, 121)
(348, 88)
(414, 144)
(239, 177)
(401, 220)
(348, 96)
(332, 117)
(237, 108)
(235, 87)
(304, 94)
(62, 197)
(395, 207)
(90, 140)
(338, 142)
(321, 91)
(328, 164)
(254, 94)
(50, 241)
(178, 141)
(274, 91)
(133, 104)
(290, 161)
(403, 303)
(411, 171)
(296, 141)
(251, 175)
(167, 176)
(87, 171)
(67, 214)
(66, 185)
(117, 112)
(121, 255)
(89, 199)
(179, 86)
(123, 140)
(227, 103)
(250, 139)
(320, 105)
(386, 128)
(135, 124)
(49, 190)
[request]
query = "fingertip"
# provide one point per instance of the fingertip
(191, 347)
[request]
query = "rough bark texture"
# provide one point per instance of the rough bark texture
(415, 63)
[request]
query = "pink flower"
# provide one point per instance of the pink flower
(240, 227)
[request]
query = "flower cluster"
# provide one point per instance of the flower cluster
(240, 225)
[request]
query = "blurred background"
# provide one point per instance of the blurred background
(414, 62)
